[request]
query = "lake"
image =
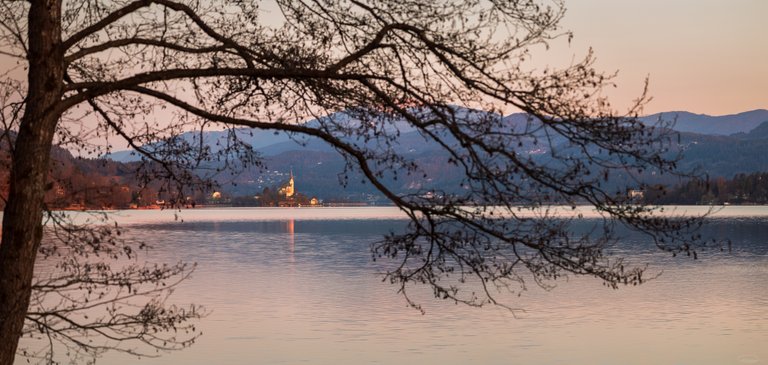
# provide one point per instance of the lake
(297, 285)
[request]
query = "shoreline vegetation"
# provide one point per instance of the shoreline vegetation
(98, 185)
(719, 192)
(80, 207)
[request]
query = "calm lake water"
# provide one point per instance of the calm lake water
(293, 286)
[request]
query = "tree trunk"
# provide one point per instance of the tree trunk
(22, 219)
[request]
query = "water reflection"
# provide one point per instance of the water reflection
(292, 239)
(304, 290)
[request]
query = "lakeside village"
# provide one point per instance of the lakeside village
(109, 185)
(285, 195)
(118, 196)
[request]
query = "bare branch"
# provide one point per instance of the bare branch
(105, 22)
(139, 41)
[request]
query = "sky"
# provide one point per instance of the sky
(703, 56)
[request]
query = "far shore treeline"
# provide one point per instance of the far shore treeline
(79, 183)
(742, 189)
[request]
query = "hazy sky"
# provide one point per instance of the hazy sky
(704, 56)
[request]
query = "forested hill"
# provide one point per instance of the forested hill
(726, 156)
(320, 171)
(87, 183)
(719, 146)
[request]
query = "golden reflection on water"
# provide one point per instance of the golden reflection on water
(289, 228)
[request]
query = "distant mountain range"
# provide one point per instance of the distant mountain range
(714, 125)
(270, 143)
(718, 145)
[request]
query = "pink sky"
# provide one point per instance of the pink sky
(703, 56)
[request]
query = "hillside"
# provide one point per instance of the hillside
(717, 146)
(711, 125)
(318, 167)
(78, 183)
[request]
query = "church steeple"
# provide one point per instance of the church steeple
(290, 189)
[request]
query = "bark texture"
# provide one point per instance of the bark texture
(22, 219)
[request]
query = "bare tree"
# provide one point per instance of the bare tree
(92, 296)
(272, 66)
(90, 293)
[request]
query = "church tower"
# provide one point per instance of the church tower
(290, 189)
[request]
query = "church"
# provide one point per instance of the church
(287, 196)
(288, 189)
